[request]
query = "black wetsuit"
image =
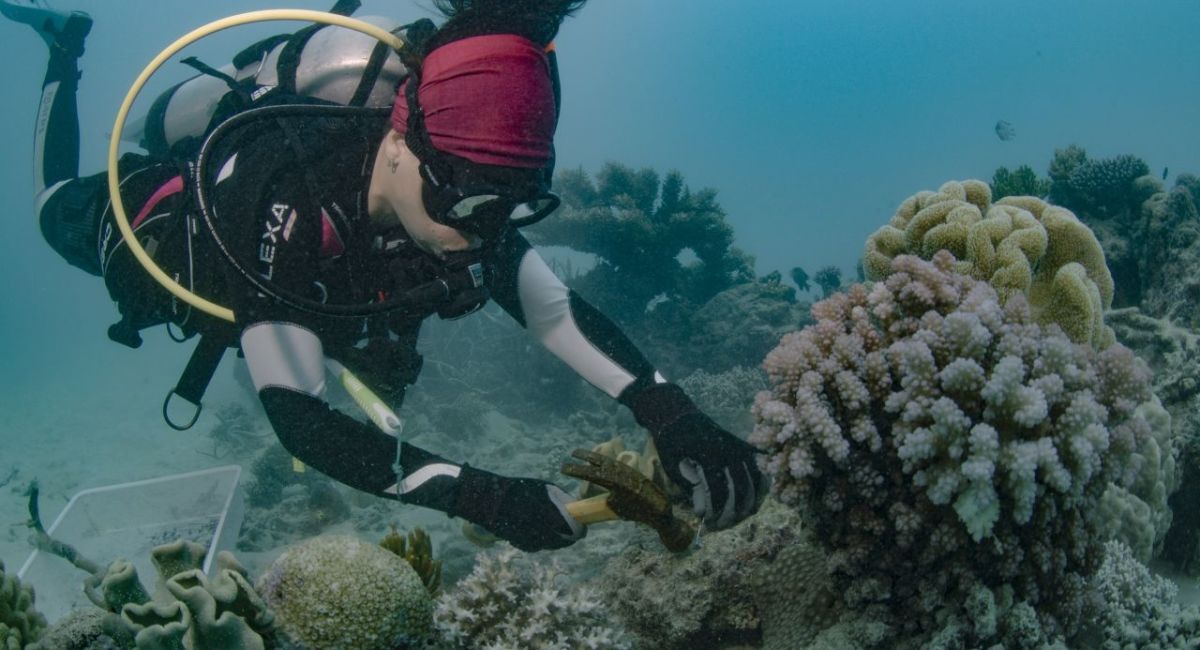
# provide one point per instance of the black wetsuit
(282, 207)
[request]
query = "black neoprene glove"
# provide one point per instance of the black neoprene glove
(529, 513)
(717, 467)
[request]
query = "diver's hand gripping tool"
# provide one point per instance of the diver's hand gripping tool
(631, 496)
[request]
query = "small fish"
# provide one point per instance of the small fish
(1164, 173)
(1005, 130)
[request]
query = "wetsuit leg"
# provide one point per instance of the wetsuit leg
(66, 207)
(56, 134)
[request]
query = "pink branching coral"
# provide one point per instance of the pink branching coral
(936, 440)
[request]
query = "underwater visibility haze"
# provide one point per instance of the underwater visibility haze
(937, 262)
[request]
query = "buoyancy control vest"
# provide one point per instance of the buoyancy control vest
(319, 64)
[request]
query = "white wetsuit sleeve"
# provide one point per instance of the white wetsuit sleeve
(567, 325)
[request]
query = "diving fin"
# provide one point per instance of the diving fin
(64, 29)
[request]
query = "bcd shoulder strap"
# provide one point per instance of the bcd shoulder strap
(198, 373)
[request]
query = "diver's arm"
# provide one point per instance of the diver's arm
(287, 365)
(565, 323)
(717, 468)
(275, 229)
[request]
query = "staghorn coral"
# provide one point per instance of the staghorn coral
(338, 592)
(1020, 244)
(20, 623)
(935, 440)
(510, 602)
(1104, 189)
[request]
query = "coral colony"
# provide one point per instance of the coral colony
(964, 452)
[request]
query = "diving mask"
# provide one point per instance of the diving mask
(483, 209)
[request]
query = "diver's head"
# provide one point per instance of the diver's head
(477, 128)
(538, 19)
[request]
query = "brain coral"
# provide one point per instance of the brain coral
(936, 440)
(1020, 244)
(337, 592)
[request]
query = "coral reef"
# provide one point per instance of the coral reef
(1137, 609)
(829, 278)
(985, 614)
(1165, 247)
(726, 396)
(1141, 227)
(1062, 164)
(642, 228)
(417, 549)
(746, 584)
(187, 610)
(1022, 181)
(285, 505)
(20, 623)
(510, 602)
(1103, 187)
(1019, 244)
(338, 592)
(82, 629)
(75, 631)
(736, 327)
(222, 613)
(795, 597)
(939, 443)
(1174, 353)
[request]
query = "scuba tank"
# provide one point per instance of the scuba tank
(325, 62)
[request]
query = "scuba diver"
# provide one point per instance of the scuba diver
(320, 220)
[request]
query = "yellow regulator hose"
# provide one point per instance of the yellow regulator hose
(587, 511)
(114, 144)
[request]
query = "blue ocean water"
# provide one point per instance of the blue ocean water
(813, 120)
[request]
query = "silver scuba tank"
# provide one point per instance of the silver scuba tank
(330, 66)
